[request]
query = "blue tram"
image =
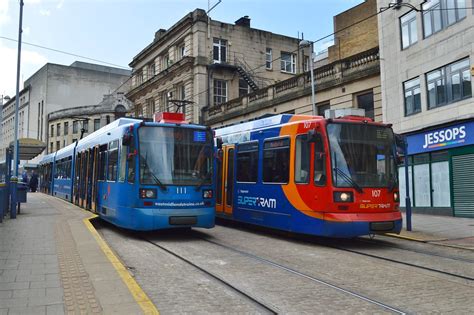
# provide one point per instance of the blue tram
(310, 175)
(138, 175)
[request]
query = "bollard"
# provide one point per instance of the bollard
(13, 192)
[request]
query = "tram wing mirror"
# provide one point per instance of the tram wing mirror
(313, 136)
(219, 142)
(127, 139)
(400, 148)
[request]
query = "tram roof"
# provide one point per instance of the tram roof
(95, 136)
(261, 123)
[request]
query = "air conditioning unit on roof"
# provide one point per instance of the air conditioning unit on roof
(336, 113)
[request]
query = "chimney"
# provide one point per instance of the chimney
(159, 34)
(243, 21)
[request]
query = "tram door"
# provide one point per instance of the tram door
(95, 168)
(77, 172)
(225, 181)
(90, 156)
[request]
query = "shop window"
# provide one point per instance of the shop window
(441, 191)
(276, 161)
(247, 162)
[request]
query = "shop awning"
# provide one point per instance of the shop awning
(29, 148)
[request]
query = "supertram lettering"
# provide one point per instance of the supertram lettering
(257, 202)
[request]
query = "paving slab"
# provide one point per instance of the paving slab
(51, 263)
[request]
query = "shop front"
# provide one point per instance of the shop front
(441, 170)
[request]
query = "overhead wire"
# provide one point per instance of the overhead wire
(391, 6)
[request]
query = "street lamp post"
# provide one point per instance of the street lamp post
(305, 43)
(14, 179)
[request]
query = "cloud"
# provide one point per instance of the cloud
(4, 18)
(45, 12)
(31, 61)
(60, 4)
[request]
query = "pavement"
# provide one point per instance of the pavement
(52, 261)
(441, 230)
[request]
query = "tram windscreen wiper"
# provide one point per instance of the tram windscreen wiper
(348, 179)
(150, 171)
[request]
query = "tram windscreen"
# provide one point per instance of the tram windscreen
(175, 156)
(361, 155)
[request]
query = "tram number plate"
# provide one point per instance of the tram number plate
(382, 226)
(182, 220)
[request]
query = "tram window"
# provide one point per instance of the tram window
(302, 158)
(247, 162)
(123, 162)
(113, 161)
(102, 163)
(131, 162)
(319, 162)
(276, 161)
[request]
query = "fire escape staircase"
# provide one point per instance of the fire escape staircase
(246, 74)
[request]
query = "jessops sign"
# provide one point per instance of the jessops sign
(439, 139)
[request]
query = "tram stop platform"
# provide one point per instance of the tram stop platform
(52, 261)
(441, 230)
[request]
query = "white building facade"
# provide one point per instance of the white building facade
(52, 88)
(427, 53)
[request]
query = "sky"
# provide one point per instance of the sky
(112, 32)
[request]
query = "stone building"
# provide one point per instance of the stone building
(200, 62)
(427, 48)
(66, 125)
(348, 78)
(55, 87)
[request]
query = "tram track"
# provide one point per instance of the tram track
(405, 263)
(279, 266)
(259, 305)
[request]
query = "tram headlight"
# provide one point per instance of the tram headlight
(207, 194)
(396, 196)
(343, 196)
(146, 193)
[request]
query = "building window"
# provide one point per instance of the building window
(181, 50)
(219, 51)
(58, 145)
(139, 77)
(366, 101)
(138, 110)
(288, 62)
(411, 91)
(269, 59)
(75, 126)
(96, 124)
(52, 130)
(74, 140)
(243, 87)
(51, 147)
(58, 129)
(150, 107)
(322, 108)
(408, 29)
(220, 92)
(66, 128)
(438, 14)
(181, 91)
(449, 84)
(85, 126)
(107, 119)
(306, 63)
(165, 61)
(151, 70)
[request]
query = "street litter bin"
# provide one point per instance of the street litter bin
(3, 200)
(22, 188)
